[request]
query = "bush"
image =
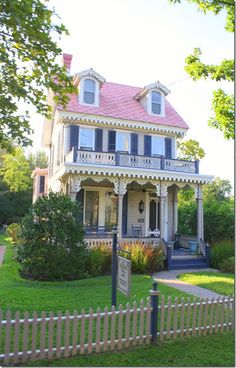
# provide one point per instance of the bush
(145, 258)
(220, 252)
(99, 260)
(13, 232)
(51, 246)
(227, 265)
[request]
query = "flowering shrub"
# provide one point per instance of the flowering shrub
(99, 260)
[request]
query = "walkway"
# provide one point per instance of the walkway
(2, 251)
(170, 278)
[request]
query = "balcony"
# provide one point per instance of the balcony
(127, 160)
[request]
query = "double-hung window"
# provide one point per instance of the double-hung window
(89, 91)
(86, 138)
(123, 142)
(158, 145)
(156, 103)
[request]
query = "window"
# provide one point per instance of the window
(122, 141)
(89, 91)
(110, 210)
(41, 184)
(91, 208)
(86, 138)
(158, 145)
(156, 103)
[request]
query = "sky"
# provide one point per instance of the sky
(138, 42)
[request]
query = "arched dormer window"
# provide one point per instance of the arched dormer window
(156, 101)
(89, 91)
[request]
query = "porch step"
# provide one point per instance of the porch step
(182, 263)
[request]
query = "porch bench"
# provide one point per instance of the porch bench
(182, 241)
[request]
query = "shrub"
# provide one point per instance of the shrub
(52, 246)
(13, 231)
(99, 260)
(220, 252)
(227, 265)
(145, 258)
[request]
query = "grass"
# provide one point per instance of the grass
(21, 294)
(221, 283)
(204, 351)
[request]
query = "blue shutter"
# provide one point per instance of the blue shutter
(125, 214)
(80, 200)
(168, 148)
(147, 145)
(41, 184)
(134, 144)
(111, 141)
(74, 137)
(98, 139)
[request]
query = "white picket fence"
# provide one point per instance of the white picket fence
(49, 336)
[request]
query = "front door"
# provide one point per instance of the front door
(91, 208)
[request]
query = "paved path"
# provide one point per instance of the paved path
(169, 278)
(2, 251)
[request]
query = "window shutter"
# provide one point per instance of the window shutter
(134, 144)
(74, 136)
(80, 200)
(168, 148)
(41, 184)
(147, 145)
(111, 141)
(98, 139)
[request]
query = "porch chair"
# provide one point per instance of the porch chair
(136, 231)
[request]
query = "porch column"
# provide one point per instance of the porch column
(175, 209)
(200, 224)
(120, 214)
(162, 195)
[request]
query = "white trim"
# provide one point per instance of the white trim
(149, 104)
(71, 117)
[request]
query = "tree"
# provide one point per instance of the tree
(28, 67)
(218, 190)
(190, 150)
(38, 159)
(16, 171)
(51, 243)
(222, 103)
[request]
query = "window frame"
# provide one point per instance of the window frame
(155, 154)
(93, 139)
(82, 90)
(129, 141)
(162, 104)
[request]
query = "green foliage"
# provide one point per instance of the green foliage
(29, 31)
(52, 246)
(145, 258)
(190, 150)
(99, 260)
(222, 103)
(39, 159)
(227, 265)
(16, 171)
(220, 252)
(219, 190)
(13, 231)
(187, 218)
(223, 106)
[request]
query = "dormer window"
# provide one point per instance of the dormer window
(156, 102)
(89, 91)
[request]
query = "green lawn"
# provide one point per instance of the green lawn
(221, 283)
(20, 294)
(208, 351)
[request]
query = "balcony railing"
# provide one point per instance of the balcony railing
(135, 161)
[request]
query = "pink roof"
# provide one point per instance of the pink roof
(117, 101)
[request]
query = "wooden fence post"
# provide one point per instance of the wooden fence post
(154, 315)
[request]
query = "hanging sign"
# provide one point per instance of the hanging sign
(124, 275)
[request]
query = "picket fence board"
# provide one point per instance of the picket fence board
(34, 338)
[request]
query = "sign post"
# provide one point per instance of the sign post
(114, 268)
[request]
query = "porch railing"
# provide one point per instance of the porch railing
(136, 161)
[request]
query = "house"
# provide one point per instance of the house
(113, 149)
(40, 182)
